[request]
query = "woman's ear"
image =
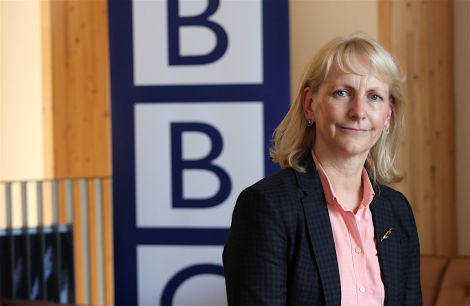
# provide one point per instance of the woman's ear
(307, 104)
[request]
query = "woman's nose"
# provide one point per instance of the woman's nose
(357, 109)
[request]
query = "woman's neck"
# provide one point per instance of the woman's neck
(345, 175)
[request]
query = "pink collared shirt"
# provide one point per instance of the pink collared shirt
(353, 233)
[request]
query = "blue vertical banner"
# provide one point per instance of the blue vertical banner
(197, 88)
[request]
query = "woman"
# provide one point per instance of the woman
(326, 230)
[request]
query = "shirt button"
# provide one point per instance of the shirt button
(358, 251)
(362, 289)
(358, 218)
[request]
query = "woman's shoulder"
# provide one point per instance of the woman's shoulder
(277, 182)
(275, 197)
(392, 194)
(280, 186)
(398, 201)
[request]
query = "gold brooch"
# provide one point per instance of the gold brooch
(387, 234)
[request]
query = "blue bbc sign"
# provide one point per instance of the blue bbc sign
(198, 87)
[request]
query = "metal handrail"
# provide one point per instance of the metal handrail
(38, 287)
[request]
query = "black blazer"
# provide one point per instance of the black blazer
(280, 250)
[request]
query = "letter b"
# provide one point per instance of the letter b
(179, 164)
(175, 22)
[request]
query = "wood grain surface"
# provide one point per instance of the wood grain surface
(420, 34)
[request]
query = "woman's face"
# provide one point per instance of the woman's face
(350, 111)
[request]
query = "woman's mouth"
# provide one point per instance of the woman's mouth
(353, 129)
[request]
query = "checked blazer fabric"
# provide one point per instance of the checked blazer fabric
(280, 249)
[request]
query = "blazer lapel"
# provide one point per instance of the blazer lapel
(388, 243)
(320, 233)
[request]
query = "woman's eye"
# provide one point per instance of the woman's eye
(341, 93)
(375, 97)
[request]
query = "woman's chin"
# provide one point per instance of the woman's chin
(354, 150)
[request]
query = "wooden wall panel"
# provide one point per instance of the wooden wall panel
(420, 34)
(80, 88)
(77, 124)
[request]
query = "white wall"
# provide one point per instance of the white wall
(21, 118)
(462, 108)
(21, 123)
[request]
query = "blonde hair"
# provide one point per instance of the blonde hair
(293, 137)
